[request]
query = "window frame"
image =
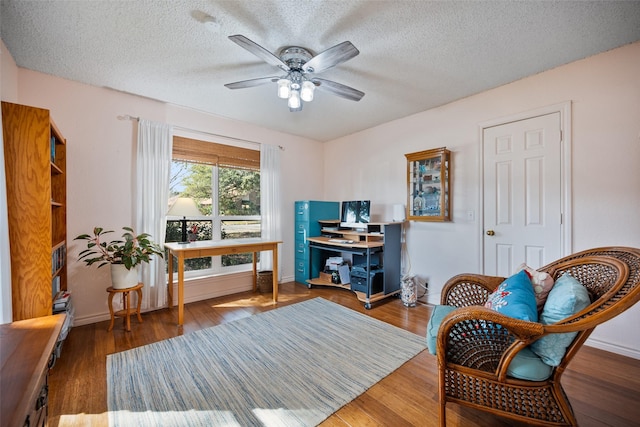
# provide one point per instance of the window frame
(216, 155)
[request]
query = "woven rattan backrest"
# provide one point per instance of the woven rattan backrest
(611, 275)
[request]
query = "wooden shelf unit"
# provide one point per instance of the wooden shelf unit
(331, 228)
(322, 282)
(35, 167)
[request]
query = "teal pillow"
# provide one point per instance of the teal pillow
(437, 314)
(526, 365)
(515, 298)
(567, 297)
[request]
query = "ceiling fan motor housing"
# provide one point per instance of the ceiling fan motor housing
(295, 57)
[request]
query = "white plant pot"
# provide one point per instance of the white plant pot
(121, 278)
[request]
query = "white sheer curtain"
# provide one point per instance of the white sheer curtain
(270, 209)
(153, 166)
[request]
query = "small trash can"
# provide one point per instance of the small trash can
(408, 291)
(265, 281)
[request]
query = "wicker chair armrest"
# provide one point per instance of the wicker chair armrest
(466, 290)
(483, 339)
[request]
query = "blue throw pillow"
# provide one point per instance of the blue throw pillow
(515, 298)
(567, 297)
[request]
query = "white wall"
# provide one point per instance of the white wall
(100, 173)
(8, 75)
(605, 95)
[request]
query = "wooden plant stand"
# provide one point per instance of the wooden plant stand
(126, 312)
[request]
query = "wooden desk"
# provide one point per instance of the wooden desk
(24, 365)
(208, 248)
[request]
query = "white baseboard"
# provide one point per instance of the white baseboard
(194, 290)
(94, 318)
(288, 279)
(613, 348)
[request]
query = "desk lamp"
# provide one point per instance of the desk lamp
(184, 207)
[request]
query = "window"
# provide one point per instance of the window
(224, 182)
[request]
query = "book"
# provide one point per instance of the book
(53, 149)
(60, 308)
(62, 297)
(345, 274)
(58, 258)
(66, 307)
(55, 287)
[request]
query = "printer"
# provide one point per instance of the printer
(360, 274)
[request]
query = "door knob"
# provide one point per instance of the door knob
(490, 233)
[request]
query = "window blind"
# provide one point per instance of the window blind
(212, 153)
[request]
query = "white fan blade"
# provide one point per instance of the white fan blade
(331, 57)
(338, 89)
(251, 83)
(259, 51)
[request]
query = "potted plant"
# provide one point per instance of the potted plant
(123, 255)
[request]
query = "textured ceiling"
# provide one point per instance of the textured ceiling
(414, 55)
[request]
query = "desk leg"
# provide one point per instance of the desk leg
(275, 272)
(180, 289)
(255, 272)
(170, 283)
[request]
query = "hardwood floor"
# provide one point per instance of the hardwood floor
(604, 388)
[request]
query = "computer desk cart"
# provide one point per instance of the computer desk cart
(376, 251)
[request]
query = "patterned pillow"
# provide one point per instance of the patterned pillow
(567, 297)
(542, 283)
(515, 298)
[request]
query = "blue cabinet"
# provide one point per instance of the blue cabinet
(307, 215)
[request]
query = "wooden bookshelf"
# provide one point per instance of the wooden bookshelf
(35, 168)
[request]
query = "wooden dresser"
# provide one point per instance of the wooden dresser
(25, 350)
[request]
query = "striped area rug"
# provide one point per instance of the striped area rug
(293, 366)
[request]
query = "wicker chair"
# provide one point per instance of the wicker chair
(472, 367)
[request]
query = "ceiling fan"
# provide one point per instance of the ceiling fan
(301, 67)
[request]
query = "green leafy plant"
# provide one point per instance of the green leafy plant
(131, 250)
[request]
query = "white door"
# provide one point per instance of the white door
(522, 194)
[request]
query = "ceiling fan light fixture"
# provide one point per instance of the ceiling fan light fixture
(306, 93)
(294, 100)
(298, 63)
(284, 88)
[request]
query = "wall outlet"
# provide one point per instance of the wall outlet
(471, 216)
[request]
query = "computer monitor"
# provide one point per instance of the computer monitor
(355, 214)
